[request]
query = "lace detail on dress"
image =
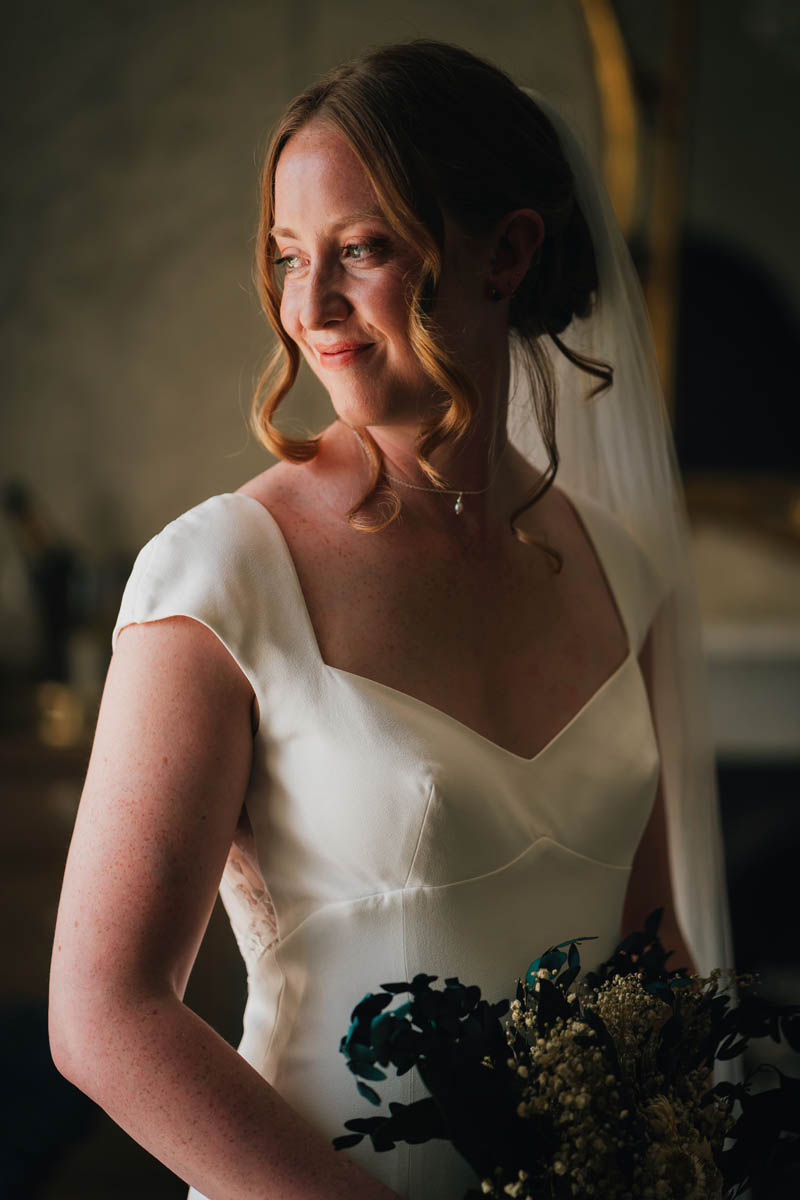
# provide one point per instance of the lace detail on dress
(246, 897)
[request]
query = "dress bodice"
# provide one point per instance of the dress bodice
(388, 838)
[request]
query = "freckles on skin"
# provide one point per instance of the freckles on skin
(347, 279)
(347, 285)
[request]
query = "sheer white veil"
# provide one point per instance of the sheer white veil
(618, 449)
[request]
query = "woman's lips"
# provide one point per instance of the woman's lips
(344, 354)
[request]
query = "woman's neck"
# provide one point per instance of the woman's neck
(488, 489)
(469, 463)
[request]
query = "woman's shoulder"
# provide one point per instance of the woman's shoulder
(207, 540)
(310, 490)
(208, 563)
(221, 521)
(224, 524)
(632, 574)
(275, 481)
(614, 530)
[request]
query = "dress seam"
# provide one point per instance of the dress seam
(434, 887)
(422, 825)
(276, 1019)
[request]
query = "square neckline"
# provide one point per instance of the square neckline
(356, 679)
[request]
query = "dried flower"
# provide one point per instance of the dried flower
(611, 1071)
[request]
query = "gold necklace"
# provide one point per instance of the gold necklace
(459, 493)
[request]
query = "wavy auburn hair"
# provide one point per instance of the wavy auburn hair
(439, 130)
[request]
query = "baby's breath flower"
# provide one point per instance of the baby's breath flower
(566, 1081)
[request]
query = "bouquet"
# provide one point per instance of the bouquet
(582, 1087)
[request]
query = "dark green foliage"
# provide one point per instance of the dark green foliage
(447, 1034)
(766, 1133)
(459, 1045)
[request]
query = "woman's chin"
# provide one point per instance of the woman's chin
(359, 411)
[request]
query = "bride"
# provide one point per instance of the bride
(412, 702)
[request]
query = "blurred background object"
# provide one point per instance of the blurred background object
(132, 340)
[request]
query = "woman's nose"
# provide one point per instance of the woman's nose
(324, 299)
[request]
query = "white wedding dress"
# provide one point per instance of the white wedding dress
(392, 838)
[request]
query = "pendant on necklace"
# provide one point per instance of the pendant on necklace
(459, 505)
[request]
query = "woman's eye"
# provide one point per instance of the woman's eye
(354, 251)
(359, 250)
(287, 261)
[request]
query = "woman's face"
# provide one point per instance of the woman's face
(346, 276)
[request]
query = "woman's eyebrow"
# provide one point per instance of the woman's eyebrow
(371, 214)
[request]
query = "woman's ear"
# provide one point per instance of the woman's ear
(516, 243)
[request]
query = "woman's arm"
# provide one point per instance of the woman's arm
(163, 794)
(650, 884)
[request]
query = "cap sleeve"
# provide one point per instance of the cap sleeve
(635, 581)
(215, 564)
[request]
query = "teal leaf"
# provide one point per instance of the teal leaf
(368, 1093)
(553, 958)
(369, 1072)
(347, 1140)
